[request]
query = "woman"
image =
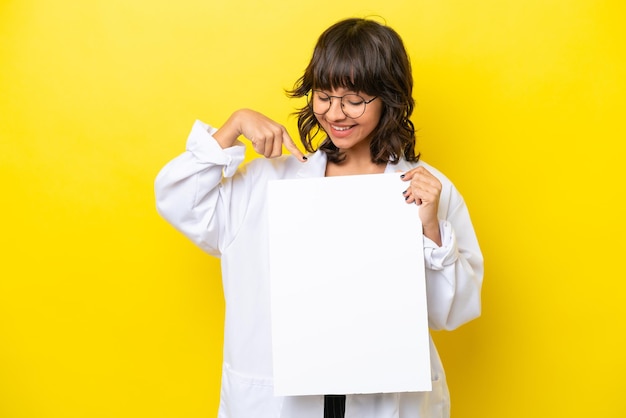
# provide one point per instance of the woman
(359, 89)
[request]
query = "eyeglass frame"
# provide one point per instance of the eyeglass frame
(341, 105)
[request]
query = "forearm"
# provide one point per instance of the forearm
(453, 295)
(454, 273)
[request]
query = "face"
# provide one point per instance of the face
(350, 134)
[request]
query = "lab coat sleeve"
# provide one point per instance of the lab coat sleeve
(196, 190)
(454, 271)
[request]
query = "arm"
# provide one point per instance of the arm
(189, 192)
(452, 257)
(454, 270)
(199, 192)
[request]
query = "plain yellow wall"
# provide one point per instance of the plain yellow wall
(106, 311)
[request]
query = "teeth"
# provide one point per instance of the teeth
(341, 128)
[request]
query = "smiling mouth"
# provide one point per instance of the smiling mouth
(340, 128)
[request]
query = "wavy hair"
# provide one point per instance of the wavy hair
(363, 56)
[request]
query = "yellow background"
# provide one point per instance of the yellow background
(106, 311)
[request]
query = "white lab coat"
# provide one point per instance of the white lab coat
(220, 204)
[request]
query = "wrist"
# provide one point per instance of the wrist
(228, 133)
(432, 232)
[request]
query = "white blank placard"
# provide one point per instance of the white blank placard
(347, 287)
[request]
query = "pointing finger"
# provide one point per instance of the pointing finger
(292, 148)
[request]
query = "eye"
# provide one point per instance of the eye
(354, 100)
(320, 96)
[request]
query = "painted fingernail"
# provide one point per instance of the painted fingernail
(402, 176)
(404, 192)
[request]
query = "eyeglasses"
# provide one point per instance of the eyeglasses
(352, 105)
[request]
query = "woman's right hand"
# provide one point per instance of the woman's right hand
(267, 137)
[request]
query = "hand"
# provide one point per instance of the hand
(267, 137)
(424, 190)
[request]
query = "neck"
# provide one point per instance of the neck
(354, 166)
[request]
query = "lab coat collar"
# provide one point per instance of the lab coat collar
(316, 166)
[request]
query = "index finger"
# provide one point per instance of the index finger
(408, 175)
(291, 147)
(412, 172)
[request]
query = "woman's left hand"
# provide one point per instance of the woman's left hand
(424, 190)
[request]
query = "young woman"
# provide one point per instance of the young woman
(359, 89)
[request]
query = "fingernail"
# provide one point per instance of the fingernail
(406, 198)
(304, 157)
(402, 176)
(404, 192)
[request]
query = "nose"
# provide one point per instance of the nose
(335, 112)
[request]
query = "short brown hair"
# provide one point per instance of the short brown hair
(364, 56)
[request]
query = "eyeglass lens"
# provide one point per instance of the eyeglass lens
(352, 105)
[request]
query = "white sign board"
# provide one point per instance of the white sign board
(347, 286)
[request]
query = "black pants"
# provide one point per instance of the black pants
(334, 406)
